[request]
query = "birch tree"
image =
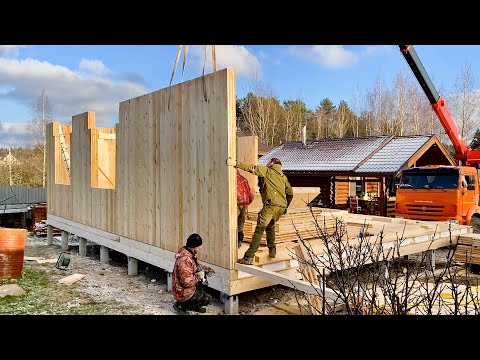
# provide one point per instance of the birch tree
(466, 101)
(401, 92)
(42, 115)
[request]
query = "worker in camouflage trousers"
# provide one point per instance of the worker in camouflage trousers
(245, 196)
(188, 276)
(276, 195)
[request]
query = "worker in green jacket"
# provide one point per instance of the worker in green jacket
(276, 195)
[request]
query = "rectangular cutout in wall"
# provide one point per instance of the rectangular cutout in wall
(103, 158)
(62, 153)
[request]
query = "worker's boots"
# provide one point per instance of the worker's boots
(180, 308)
(246, 260)
(240, 238)
(272, 252)
(199, 309)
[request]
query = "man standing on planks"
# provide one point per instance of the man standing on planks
(277, 195)
(245, 196)
(188, 276)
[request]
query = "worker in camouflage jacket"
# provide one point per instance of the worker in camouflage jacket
(188, 276)
(276, 195)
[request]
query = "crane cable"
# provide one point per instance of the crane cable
(185, 54)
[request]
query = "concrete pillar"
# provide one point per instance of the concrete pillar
(82, 246)
(132, 266)
(231, 303)
(49, 234)
(104, 256)
(430, 259)
(65, 235)
(383, 275)
(169, 281)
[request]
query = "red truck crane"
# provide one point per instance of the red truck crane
(440, 193)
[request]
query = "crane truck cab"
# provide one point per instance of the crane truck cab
(440, 193)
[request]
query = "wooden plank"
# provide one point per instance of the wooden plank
(107, 136)
(287, 281)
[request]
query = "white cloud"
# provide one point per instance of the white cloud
(233, 56)
(13, 134)
(94, 66)
(262, 54)
(70, 92)
(10, 49)
(372, 49)
(330, 56)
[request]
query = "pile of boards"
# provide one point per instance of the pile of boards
(468, 249)
(295, 222)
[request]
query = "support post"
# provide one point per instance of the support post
(49, 235)
(430, 259)
(231, 303)
(169, 281)
(132, 266)
(82, 246)
(104, 256)
(383, 276)
(65, 235)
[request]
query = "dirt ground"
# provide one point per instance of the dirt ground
(112, 291)
(107, 289)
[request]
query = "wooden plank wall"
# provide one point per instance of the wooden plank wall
(342, 190)
(247, 151)
(59, 196)
(170, 161)
(372, 188)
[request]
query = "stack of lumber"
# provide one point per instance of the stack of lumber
(286, 227)
(468, 249)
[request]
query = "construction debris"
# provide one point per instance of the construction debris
(11, 290)
(69, 280)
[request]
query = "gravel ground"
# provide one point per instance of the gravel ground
(147, 292)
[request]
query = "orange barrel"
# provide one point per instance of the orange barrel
(12, 248)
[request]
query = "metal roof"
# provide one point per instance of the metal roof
(376, 154)
(391, 157)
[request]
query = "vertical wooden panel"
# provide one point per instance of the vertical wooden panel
(171, 177)
(247, 151)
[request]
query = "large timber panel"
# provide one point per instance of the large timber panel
(168, 175)
(172, 147)
(247, 151)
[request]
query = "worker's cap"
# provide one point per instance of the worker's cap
(194, 240)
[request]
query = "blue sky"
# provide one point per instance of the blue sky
(80, 78)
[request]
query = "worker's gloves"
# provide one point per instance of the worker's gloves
(209, 272)
(231, 162)
(201, 273)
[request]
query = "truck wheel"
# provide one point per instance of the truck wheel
(475, 223)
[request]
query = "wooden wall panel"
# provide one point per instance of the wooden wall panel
(59, 196)
(247, 151)
(169, 153)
